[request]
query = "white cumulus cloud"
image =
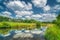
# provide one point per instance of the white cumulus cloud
(19, 5)
(24, 10)
(46, 8)
(58, 1)
(20, 8)
(36, 16)
(23, 13)
(28, 17)
(54, 9)
(57, 7)
(39, 3)
(6, 14)
(48, 17)
(18, 16)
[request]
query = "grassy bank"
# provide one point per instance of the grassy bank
(6, 26)
(53, 33)
(16, 25)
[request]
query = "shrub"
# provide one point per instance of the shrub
(38, 24)
(4, 25)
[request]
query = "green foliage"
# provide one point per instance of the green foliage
(16, 25)
(38, 24)
(3, 18)
(4, 25)
(52, 33)
(58, 20)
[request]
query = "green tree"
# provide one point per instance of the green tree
(38, 24)
(2, 18)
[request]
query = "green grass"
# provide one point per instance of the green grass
(53, 33)
(6, 26)
(17, 25)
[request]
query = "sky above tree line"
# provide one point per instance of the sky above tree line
(42, 10)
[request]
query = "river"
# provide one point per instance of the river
(24, 35)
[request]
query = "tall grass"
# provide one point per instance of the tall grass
(52, 33)
(16, 25)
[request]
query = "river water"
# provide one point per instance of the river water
(24, 35)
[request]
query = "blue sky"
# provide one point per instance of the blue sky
(42, 10)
